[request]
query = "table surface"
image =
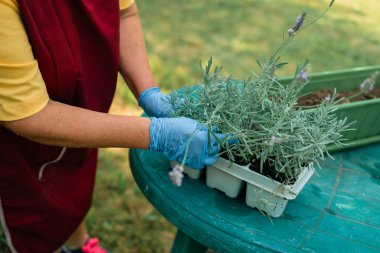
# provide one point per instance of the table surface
(338, 210)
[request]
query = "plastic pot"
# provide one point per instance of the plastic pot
(262, 193)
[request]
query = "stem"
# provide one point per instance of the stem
(354, 96)
(187, 147)
(284, 44)
(315, 20)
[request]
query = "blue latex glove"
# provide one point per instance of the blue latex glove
(171, 136)
(154, 103)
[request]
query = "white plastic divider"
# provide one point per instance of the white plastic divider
(223, 181)
(254, 178)
(262, 192)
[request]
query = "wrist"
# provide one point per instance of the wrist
(154, 130)
(146, 94)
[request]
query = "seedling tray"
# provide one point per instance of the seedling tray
(262, 192)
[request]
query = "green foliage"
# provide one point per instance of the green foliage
(120, 215)
(262, 115)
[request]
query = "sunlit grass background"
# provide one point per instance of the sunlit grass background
(181, 33)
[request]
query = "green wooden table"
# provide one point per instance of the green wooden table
(337, 211)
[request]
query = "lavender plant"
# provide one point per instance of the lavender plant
(368, 84)
(261, 114)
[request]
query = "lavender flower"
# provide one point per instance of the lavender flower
(276, 140)
(375, 75)
(176, 175)
(327, 98)
(302, 76)
(299, 22)
(366, 85)
(369, 83)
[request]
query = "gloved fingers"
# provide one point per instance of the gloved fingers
(165, 98)
(214, 149)
(166, 110)
(210, 160)
(216, 137)
(215, 144)
(194, 163)
(155, 103)
(197, 167)
(144, 96)
(178, 102)
(200, 128)
(214, 129)
(221, 137)
(231, 140)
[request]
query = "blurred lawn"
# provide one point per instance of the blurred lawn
(181, 33)
(235, 33)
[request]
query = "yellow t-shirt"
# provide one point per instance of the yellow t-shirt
(22, 89)
(124, 4)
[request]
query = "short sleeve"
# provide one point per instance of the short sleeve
(22, 89)
(124, 4)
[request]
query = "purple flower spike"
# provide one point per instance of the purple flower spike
(302, 76)
(299, 22)
(366, 85)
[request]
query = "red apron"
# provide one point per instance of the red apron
(46, 191)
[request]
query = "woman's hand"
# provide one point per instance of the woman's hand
(155, 103)
(180, 138)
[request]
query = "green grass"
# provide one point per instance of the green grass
(179, 34)
(120, 213)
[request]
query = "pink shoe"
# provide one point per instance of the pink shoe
(92, 246)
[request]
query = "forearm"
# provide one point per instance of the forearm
(64, 125)
(134, 62)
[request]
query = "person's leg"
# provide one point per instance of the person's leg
(79, 237)
(80, 241)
